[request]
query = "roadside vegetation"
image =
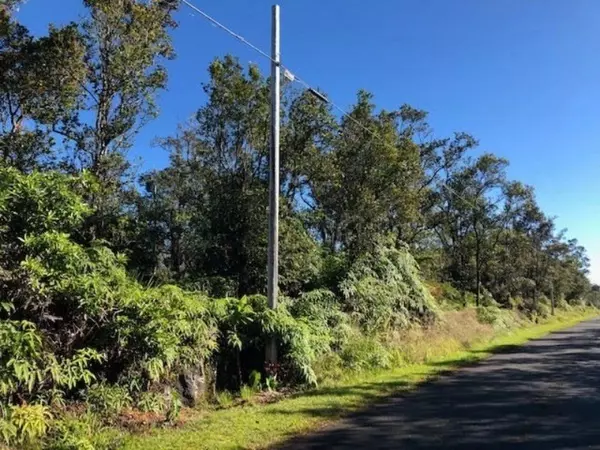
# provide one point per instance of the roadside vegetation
(258, 423)
(132, 302)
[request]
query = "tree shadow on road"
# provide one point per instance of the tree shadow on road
(540, 396)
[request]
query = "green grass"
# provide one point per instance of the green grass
(258, 426)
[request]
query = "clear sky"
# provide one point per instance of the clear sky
(523, 76)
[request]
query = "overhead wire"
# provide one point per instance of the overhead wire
(294, 78)
(228, 30)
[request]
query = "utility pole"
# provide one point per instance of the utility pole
(273, 262)
(552, 297)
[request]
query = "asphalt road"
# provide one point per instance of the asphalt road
(544, 395)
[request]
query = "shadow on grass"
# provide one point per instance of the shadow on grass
(342, 401)
(363, 388)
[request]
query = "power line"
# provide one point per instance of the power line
(294, 78)
(228, 30)
(291, 73)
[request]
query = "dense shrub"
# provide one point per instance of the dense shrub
(488, 314)
(30, 369)
(536, 309)
(142, 334)
(107, 400)
(486, 299)
(24, 426)
(304, 329)
(71, 316)
(363, 352)
(447, 295)
(383, 289)
(324, 308)
(81, 432)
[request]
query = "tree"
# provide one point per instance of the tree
(7, 6)
(125, 42)
(39, 85)
(124, 45)
(438, 158)
(471, 215)
(368, 184)
(208, 209)
(507, 268)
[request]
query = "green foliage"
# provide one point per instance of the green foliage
(247, 393)
(40, 202)
(151, 402)
(301, 262)
(174, 406)
(302, 340)
(107, 400)
(516, 303)
(334, 270)
(224, 399)
(110, 326)
(362, 352)
(166, 330)
(488, 314)
(271, 383)
(246, 324)
(254, 380)
(447, 295)
(324, 309)
(22, 357)
(383, 290)
(536, 309)
(25, 425)
(153, 330)
(486, 299)
(28, 367)
(501, 319)
(561, 303)
(81, 432)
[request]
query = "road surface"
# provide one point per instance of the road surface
(544, 395)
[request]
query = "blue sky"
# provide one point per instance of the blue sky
(522, 76)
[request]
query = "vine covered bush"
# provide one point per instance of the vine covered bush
(383, 290)
(304, 329)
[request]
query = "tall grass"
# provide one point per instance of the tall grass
(454, 331)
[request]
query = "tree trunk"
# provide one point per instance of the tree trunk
(238, 361)
(477, 271)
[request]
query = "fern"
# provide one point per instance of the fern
(384, 290)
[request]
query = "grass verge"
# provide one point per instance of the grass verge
(259, 426)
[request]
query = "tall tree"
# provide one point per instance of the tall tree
(209, 207)
(125, 43)
(368, 183)
(470, 216)
(39, 85)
